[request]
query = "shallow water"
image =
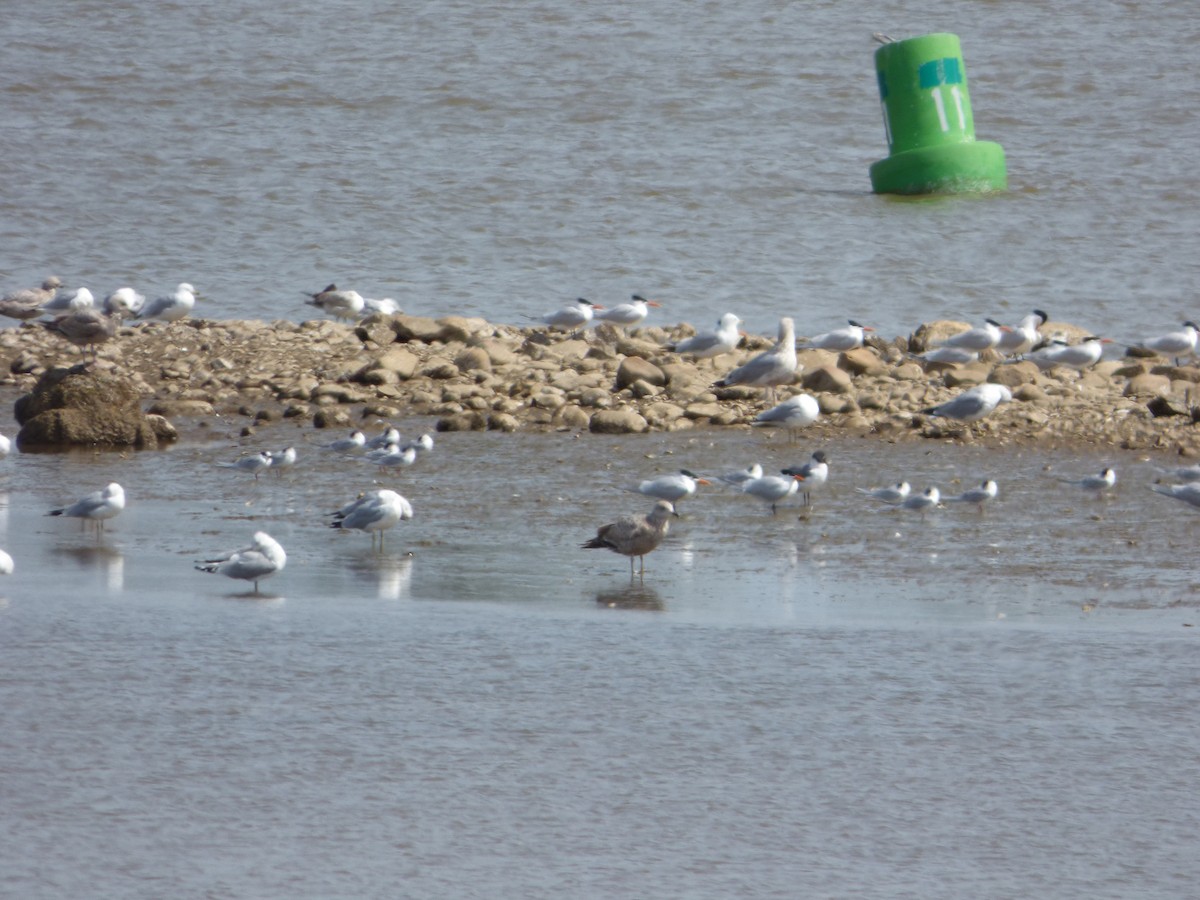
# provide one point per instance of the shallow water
(501, 161)
(857, 701)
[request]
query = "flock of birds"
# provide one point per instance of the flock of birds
(636, 536)
(373, 512)
(73, 314)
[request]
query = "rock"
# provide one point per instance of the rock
(415, 328)
(376, 329)
(931, 334)
(498, 421)
(181, 408)
(331, 418)
(459, 328)
(967, 376)
(572, 417)
(500, 353)
(473, 358)
(398, 360)
(440, 369)
(81, 407)
(703, 410)
(827, 379)
(861, 361)
(635, 368)
(1148, 385)
(643, 389)
(464, 421)
(1161, 407)
(617, 421)
(1013, 374)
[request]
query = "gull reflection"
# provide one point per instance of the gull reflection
(107, 558)
(259, 599)
(4, 511)
(394, 577)
(631, 596)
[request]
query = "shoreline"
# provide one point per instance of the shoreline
(472, 375)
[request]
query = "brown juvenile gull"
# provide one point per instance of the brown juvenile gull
(774, 367)
(27, 303)
(85, 328)
(634, 535)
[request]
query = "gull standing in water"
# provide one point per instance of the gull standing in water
(374, 512)
(98, 506)
(838, 340)
(262, 559)
(339, 304)
(634, 535)
(27, 303)
(710, 344)
(771, 368)
(673, 488)
(1189, 492)
(172, 308)
(792, 415)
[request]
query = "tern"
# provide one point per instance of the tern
(339, 304)
(840, 339)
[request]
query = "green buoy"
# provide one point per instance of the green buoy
(928, 122)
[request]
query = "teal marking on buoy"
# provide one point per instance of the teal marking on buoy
(928, 122)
